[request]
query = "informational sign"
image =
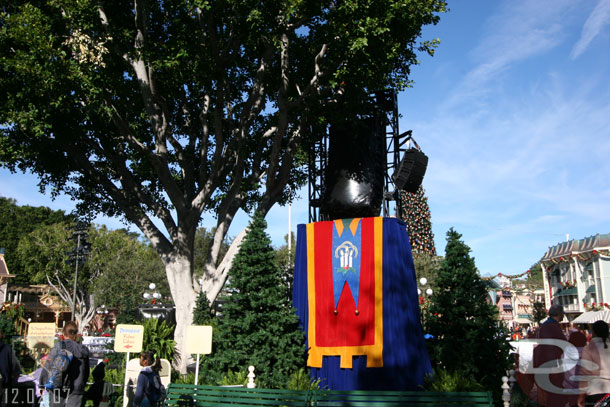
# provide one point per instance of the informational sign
(128, 338)
(199, 339)
(41, 334)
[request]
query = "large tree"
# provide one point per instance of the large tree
(164, 111)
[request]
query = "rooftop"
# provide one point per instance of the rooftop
(586, 245)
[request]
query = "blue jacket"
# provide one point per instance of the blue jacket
(144, 388)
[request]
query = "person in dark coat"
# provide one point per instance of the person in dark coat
(77, 375)
(550, 385)
(10, 369)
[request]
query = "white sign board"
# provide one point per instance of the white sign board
(128, 338)
(199, 339)
(41, 334)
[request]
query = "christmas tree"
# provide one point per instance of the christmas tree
(468, 337)
(416, 214)
(258, 325)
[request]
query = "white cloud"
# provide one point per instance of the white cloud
(598, 19)
(520, 30)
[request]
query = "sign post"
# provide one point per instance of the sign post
(128, 338)
(199, 341)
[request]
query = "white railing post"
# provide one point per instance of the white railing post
(251, 377)
(505, 391)
(511, 379)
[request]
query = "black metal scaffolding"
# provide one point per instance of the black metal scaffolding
(387, 105)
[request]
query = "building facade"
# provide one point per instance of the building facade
(576, 274)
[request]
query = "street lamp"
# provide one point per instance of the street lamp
(154, 295)
(423, 281)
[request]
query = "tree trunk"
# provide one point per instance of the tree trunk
(178, 270)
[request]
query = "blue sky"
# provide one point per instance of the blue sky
(513, 112)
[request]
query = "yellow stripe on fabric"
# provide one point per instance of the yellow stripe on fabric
(315, 358)
(375, 359)
(374, 353)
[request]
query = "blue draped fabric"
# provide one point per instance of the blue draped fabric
(405, 357)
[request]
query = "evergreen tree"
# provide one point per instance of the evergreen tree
(202, 314)
(468, 337)
(258, 325)
(539, 312)
(416, 214)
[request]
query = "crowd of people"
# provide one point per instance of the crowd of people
(571, 367)
(62, 380)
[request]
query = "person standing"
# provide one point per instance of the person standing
(549, 356)
(148, 389)
(72, 390)
(10, 369)
(595, 363)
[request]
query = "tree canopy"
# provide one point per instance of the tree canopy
(17, 221)
(162, 111)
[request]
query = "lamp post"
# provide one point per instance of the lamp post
(423, 281)
(422, 299)
(153, 295)
(78, 255)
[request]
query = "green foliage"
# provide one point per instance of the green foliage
(158, 338)
(115, 359)
(534, 279)
(258, 325)
(232, 378)
(43, 253)
(126, 266)
(301, 380)
(116, 375)
(17, 222)
(7, 329)
(128, 311)
(451, 381)
(202, 314)
(468, 337)
(538, 312)
(203, 240)
(285, 260)
(13, 311)
(427, 266)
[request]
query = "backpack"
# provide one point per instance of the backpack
(157, 390)
(59, 369)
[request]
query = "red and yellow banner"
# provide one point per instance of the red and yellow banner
(341, 322)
